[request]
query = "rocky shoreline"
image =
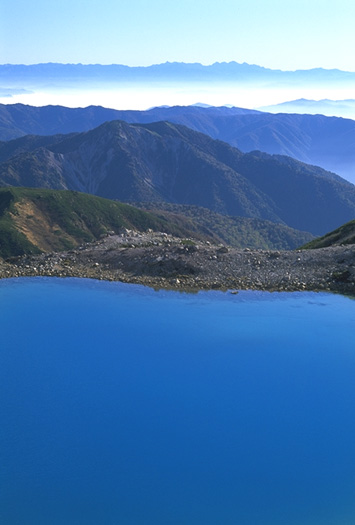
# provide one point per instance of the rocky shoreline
(160, 260)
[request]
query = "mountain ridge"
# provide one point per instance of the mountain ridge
(165, 162)
(331, 108)
(314, 139)
(232, 65)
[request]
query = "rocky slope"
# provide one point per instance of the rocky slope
(161, 260)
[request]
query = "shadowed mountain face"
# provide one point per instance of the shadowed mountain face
(165, 162)
(314, 139)
(17, 120)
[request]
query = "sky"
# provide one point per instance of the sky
(278, 34)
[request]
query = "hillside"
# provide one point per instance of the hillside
(238, 232)
(343, 235)
(314, 139)
(162, 162)
(32, 221)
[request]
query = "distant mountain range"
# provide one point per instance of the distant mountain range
(171, 83)
(165, 162)
(17, 120)
(335, 108)
(314, 139)
(221, 72)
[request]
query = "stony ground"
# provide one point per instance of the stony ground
(162, 261)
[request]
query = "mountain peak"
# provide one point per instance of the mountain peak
(164, 161)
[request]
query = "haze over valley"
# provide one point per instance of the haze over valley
(122, 87)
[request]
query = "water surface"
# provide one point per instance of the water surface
(122, 405)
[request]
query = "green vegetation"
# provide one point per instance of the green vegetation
(33, 220)
(345, 234)
(41, 220)
(239, 232)
(12, 242)
(188, 242)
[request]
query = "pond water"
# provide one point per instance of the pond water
(124, 405)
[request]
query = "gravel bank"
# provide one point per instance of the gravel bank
(162, 261)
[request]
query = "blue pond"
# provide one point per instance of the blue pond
(122, 405)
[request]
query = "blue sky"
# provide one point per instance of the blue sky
(279, 34)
